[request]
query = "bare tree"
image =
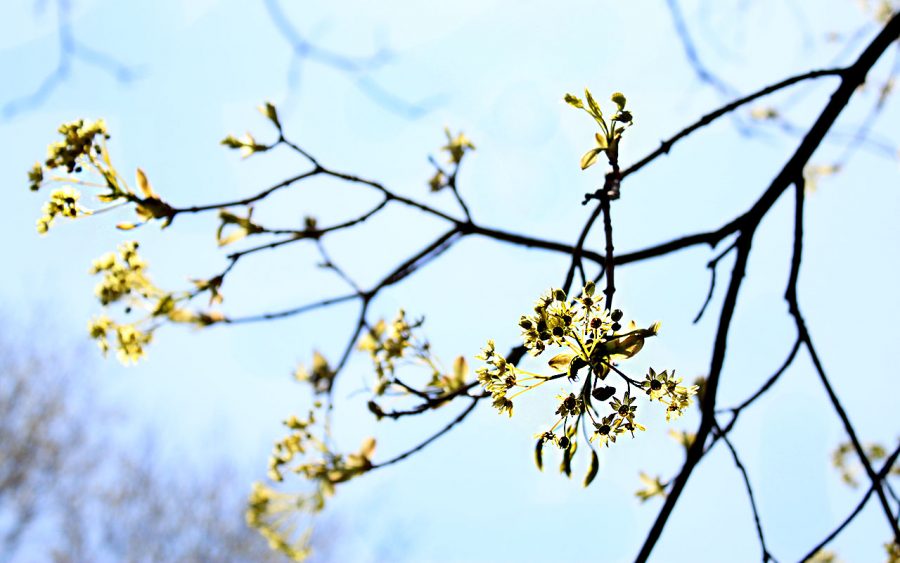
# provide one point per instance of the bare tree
(69, 493)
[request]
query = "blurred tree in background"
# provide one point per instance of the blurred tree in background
(72, 490)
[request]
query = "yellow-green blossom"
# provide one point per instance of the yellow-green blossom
(591, 343)
(457, 146)
(653, 487)
(63, 203)
(607, 140)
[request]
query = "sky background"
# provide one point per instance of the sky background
(496, 70)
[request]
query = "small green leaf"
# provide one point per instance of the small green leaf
(566, 465)
(574, 101)
(233, 237)
(144, 185)
(539, 454)
(594, 468)
(652, 487)
(231, 142)
(601, 141)
(561, 361)
(268, 110)
(460, 368)
(368, 448)
(592, 104)
(590, 158)
(627, 346)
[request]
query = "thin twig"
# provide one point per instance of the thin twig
(608, 262)
(766, 555)
(579, 249)
(291, 312)
(666, 145)
(440, 433)
(885, 470)
(711, 265)
(804, 336)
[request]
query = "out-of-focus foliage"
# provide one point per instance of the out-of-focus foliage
(72, 492)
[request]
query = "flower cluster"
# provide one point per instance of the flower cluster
(498, 377)
(456, 148)
(82, 143)
(80, 139)
(307, 451)
(304, 451)
(320, 375)
(893, 552)
(123, 275)
(610, 131)
(395, 346)
(593, 342)
(386, 345)
(844, 459)
(666, 389)
(130, 340)
(125, 281)
(82, 150)
(331, 469)
(81, 159)
(63, 203)
(271, 513)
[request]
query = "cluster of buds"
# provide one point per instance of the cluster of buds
(607, 139)
(593, 342)
(456, 148)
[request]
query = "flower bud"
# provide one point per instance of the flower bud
(603, 393)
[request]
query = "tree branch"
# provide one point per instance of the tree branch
(440, 433)
(766, 555)
(882, 474)
(851, 79)
(666, 146)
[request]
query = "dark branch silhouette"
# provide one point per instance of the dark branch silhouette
(791, 173)
(359, 69)
(71, 50)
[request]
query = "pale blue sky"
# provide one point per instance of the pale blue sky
(497, 70)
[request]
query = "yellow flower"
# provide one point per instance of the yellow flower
(457, 146)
